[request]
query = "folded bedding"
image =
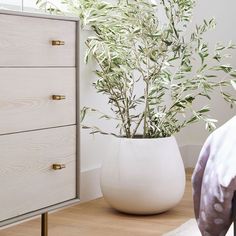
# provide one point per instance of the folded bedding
(214, 181)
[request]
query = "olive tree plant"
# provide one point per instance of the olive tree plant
(136, 48)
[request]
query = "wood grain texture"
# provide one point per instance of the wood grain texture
(27, 179)
(26, 41)
(25, 98)
(39, 15)
(96, 218)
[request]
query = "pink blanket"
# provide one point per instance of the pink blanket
(214, 181)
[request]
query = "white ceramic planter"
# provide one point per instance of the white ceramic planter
(143, 176)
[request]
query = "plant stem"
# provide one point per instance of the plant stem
(112, 92)
(137, 126)
(128, 119)
(146, 109)
(126, 107)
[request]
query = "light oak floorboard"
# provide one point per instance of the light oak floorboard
(96, 218)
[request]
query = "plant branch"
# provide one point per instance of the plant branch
(111, 92)
(137, 126)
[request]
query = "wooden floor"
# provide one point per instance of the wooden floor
(96, 218)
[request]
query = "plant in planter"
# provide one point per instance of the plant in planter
(153, 72)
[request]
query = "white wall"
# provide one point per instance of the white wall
(12, 4)
(28, 5)
(225, 17)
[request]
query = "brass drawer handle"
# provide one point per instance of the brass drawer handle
(58, 166)
(58, 97)
(58, 42)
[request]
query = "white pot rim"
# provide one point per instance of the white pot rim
(160, 138)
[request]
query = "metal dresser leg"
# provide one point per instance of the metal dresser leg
(44, 224)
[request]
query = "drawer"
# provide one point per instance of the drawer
(26, 98)
(27, 41)
(28, 181)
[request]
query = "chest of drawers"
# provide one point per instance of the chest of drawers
(39, 110)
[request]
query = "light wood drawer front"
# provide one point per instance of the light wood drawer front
(27, 179)
(26, 98)
(26, 41)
